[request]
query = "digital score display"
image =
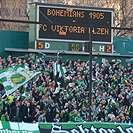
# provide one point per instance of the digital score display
(69, 23)
(74, 46)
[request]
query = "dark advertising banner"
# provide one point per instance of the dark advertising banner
(93, 127)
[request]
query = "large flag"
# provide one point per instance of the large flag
(14, 77)
(12, 127)
(59, 73)
(58, 68)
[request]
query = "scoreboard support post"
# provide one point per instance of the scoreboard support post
(90, 70)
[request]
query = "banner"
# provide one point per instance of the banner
(14, 77)
(12, 127)
(89, 127)
(92, 127)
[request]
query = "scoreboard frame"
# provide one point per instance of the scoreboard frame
(100, 31)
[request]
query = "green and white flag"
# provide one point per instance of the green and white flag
(14, 77)
(58, 68)
(13, 127)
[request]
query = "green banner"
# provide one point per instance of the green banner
(94, 127)
(88, 127)
(13, 127)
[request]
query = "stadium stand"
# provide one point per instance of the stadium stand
(40, 101)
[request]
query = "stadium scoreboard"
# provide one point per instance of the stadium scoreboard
(72, 24)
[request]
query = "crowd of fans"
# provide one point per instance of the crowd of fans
(111, 96)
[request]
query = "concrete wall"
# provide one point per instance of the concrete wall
(12, 39)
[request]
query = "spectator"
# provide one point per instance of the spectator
(16, 112)
(5, 116)
(1, 106)
(78, 118)
(42, 116)
(131, 112)
(27, 111)
(37, 114)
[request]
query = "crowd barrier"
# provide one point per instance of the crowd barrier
(88, 127)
